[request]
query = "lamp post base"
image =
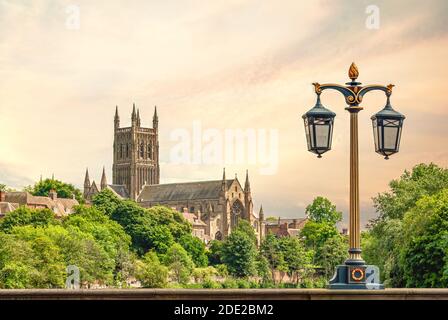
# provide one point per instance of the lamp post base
(358, 276)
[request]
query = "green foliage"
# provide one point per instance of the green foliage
(316, 234)
(156, 228)
(38, 248)
(297, 258)
(323, 211)
(215, 252)
(409, 239)
(179, 262)
(287, 255)
(245, 227)
(239, 253)
(17, 268)
(204, 274)
(424, 179)
(25, 216)
(196, 248)
(424, 256)
(64, 190)
(106, 201)
(151, 273)
(332, 253)
(270, 250)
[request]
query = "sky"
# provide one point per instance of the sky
(221, 66)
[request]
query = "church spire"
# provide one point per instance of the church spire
(86, 178)
(103, 179)
(138, 117)
(223, 184)
(155, 119)
(116, 118)
(133, 116)
(247, 183)
(261, 214)
(86, 183)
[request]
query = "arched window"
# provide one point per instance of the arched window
(142, 151)
(127, 150)
(236, 213)
(121, 151)
(218, 235)
(191, 209)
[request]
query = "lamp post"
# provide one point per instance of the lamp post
(387, 126)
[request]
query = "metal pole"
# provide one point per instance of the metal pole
(355, 243)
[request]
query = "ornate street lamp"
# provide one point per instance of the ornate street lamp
(319, 128)
(387, 127)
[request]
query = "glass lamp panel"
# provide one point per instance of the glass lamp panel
(380, 129)
(390, 137)
(375, 133)
(322, 135)
(399, 136)
(307, 133)
(330, 138)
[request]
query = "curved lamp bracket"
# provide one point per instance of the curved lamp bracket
(353, 94)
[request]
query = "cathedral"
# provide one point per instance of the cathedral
(215, 205)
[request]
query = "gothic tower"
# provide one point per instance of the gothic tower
(136, 154)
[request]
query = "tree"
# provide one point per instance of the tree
(315, 234)
(245, 226)
(239, 253)
(150, 272)
(106, 201)
(270, 250)
(424, 179)
(215, 252)
(106, 233)
(17, 269)
(179, 262)
(195, 248)
(323, 211)
(394, 241)
(27, 216)
(155, 228)
(64, 190)
(332, 253)
(424, 255)
(297, 259)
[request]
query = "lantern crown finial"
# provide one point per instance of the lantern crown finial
(353, 72)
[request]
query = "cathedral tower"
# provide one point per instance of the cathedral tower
(135, 154)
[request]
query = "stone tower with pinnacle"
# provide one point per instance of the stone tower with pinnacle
(135, 153)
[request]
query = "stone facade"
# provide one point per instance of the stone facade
(220, 203)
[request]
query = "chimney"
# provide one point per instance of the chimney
(52, 194)
(2, 196)
(199, 215)
(295, 224)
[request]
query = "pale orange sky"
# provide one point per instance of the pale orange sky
(229, 64)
